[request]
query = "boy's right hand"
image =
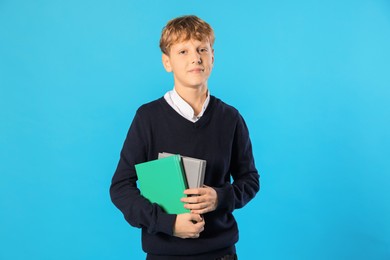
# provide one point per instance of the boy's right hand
(188, 225)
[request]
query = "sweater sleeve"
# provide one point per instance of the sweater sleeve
(246, 180)
(125, 195)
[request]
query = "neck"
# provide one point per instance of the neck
(195, 97)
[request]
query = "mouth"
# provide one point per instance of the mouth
(196, 70)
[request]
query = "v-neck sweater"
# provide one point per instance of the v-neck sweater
(221, 138)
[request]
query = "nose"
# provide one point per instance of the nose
(196, 59)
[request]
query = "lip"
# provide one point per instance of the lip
(196, 70)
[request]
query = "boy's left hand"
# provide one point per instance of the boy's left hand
(205, 200)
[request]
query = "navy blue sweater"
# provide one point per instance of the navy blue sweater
(221, 138)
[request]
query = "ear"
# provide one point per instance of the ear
(212, 58)
(166, 62)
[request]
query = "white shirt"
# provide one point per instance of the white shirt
(182, 107)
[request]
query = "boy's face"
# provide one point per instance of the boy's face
(191, 63)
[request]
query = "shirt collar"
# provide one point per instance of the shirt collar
(183, 108)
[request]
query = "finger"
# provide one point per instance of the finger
(202, 228)
(200, 211)
(199, 229)
(196, 217)
(197, 206)
(192, 191)
(195, 235)
(195, 199)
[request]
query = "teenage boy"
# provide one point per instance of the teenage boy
(191, 122)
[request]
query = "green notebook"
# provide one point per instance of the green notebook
(163, 182)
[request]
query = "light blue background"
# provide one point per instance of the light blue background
(311, 79)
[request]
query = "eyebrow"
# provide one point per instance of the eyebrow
(185, 46)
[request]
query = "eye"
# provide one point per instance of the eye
(182, 51)
(201, 50)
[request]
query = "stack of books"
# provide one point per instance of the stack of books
(164, 180)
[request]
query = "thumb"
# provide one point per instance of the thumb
(196, 217)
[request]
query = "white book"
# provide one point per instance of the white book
(194, 169)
